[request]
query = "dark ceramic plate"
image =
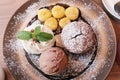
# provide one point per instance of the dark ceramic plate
(21, 64)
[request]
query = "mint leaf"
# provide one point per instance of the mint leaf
(24, 35)
(36, 31)
(43, 36)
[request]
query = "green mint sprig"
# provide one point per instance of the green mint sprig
(24, 35)
(44, 36)
(37, 34)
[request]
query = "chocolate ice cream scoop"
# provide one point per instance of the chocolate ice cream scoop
(53, 61)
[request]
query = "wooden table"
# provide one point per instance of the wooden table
(7, 9)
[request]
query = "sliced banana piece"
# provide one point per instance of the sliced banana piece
(58, 11)
(44, 14)
(72, 13)
(51, 23)
(63, 22)
(58, 40)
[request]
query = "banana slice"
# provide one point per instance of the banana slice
(44, 14)
(51, 23)
(58, 11)
(72, 13)
(34, 47)
(64, 22)
(58, 40)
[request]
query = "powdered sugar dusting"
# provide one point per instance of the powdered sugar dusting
(31, 10)
(100, 61)
(18, 18)
(77, 37)
(89, 6)
(100, 19)
(14, 46)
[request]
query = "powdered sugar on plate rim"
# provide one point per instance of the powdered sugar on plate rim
(14, 45)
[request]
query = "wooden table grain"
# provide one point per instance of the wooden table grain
(7, 9)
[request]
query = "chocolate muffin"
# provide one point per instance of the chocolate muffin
(78, 37)
(53, 61)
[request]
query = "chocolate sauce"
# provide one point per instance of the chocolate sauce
(58, 31)
(51, 77)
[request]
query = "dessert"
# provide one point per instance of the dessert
(78, 37)
(63, 22)
(56, 35)
(72, 13)
(58, 40)
(44, 14)
(58, 16)
(58, 11)
(87, 66)
(51, 23)
(53, 61)
(33, 46)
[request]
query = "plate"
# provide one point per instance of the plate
(109, 6)
(22, 69)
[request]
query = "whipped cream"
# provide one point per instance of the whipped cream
(33, 47)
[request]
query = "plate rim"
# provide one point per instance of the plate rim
(26, 2)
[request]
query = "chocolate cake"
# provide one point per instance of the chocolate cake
(78, 37)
